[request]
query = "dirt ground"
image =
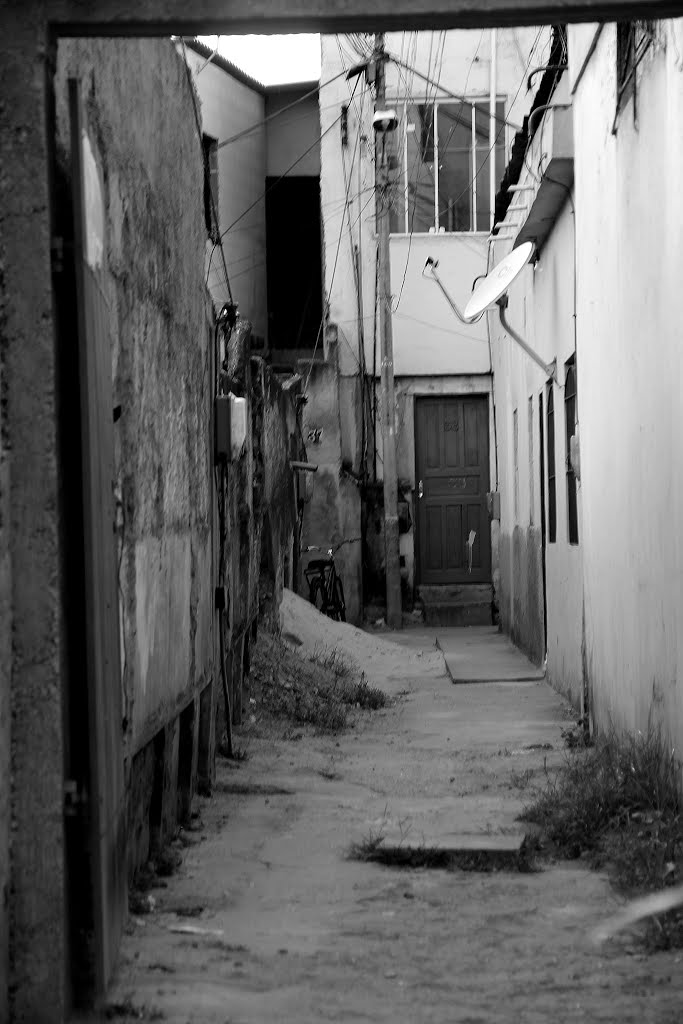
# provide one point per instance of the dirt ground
(267, 920)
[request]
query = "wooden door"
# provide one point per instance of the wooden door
(105, 791)
(452, 472)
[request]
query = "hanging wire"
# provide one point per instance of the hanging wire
(198, 123)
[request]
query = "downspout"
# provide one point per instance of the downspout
(493, 127)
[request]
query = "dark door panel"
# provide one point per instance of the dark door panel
(452, 463)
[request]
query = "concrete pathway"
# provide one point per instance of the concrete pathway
(268, 920)
(473, 654)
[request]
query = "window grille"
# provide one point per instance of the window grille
(441, 158)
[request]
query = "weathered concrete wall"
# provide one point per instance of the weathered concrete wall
(630, 367)
(5, 668)
(541, 307)
(31, 530)
(332, 513)
(228, 107)
(160, 363)
(281, 442)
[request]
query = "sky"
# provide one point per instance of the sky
(272, 60)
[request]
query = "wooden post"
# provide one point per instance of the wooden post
(389, 469)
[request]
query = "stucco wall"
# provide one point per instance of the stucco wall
(630, 367)
(541, 308)
(227, 107)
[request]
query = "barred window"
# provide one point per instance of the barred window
(441, 158)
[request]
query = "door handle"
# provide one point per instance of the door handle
(420, 489)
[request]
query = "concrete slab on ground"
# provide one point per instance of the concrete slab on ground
(473, 654)
(481, 654)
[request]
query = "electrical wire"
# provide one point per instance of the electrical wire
(283, 175)
(436, 327)
(435, 141)
(278, 113)
(454, 95)
(481, 166)
(336, 258)
(200, 134)
(208, 59)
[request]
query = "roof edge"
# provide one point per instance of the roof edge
(225, 65)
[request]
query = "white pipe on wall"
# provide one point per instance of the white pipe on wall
(493, 127)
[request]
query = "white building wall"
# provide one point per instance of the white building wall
(541, 309)
(630, 381)
(228, 106)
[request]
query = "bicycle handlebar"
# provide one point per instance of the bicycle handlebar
(332, 550)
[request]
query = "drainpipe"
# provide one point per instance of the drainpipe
(493, 127)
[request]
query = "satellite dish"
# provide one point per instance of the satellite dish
(497, 282)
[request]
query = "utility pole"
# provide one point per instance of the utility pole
(389, 472)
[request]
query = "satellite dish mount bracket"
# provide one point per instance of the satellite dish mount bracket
(550, 369)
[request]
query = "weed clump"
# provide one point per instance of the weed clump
(318, 691)
(617, 804)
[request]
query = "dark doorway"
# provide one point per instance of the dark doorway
(293, 262)
(452, 463)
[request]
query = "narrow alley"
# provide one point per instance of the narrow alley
(269, 918)
(341, 580)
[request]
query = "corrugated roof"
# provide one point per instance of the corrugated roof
(225, 65)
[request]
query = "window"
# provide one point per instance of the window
(633, 41)
(531, 460)
(210, 153)
(552, 502)
(570, 425)
(441, 158)
(515, 444)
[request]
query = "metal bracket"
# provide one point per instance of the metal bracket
(550, 369)
(433, 264)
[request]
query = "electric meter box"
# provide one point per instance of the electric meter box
(238, 425)
(230, 426)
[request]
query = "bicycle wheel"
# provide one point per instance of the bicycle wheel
(339, 606)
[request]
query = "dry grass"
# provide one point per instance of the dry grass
(317, 691)
(617, 804)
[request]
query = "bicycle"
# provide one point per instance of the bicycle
(325, 588)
